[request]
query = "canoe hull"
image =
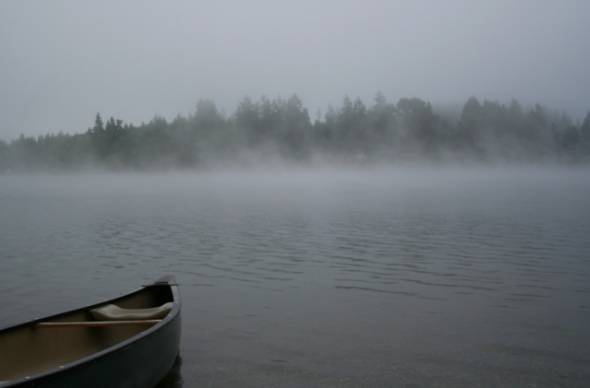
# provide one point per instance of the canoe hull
(141, 362)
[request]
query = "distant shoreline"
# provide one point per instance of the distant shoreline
(268, 132)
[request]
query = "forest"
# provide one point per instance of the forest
(264, 131)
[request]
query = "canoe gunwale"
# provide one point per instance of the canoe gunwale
(172, 315)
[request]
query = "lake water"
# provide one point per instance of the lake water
(407, 278)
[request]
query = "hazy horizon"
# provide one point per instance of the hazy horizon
(348, 193)
(64, 61)
(450, 111)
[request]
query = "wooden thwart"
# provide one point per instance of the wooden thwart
(142, 322)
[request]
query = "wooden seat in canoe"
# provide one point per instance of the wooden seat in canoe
(133, 345)
(112, 312)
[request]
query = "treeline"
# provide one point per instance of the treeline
(264, 130)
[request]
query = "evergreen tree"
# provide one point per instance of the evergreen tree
(384, 131)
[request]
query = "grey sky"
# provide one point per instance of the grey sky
(63, 61)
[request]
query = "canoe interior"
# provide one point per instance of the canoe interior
(28, 350)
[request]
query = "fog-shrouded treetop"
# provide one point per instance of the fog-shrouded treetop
(64, 60)
(264, 131)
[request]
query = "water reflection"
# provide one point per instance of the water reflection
(174, 378)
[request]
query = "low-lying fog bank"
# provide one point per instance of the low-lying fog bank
(298, 181)
(268, 132)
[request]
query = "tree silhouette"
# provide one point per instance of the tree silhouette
(352, 132)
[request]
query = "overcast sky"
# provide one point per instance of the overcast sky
(63, 61)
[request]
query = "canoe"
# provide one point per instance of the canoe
(130, 341)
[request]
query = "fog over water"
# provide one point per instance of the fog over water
(419, 277)
(350, 194)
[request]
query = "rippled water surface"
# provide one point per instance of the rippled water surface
(404, 278)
